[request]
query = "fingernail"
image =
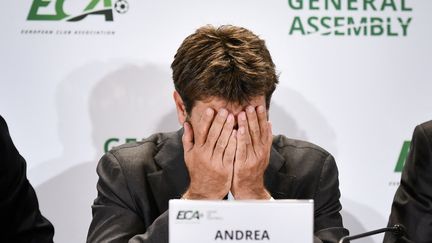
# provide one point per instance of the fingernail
(209, 111)
(242, 116)
(223, 112)
(261, 109)
(230, 118)
(250, 109)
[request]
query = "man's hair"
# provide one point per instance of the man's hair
(227, 62)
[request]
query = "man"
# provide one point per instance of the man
(412, 204)
(224, 79)
(20, 218)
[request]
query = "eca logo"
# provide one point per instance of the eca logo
(53, 10)
(189, 215)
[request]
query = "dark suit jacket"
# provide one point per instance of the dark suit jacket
(412, 204)
(136, 181)
(20, 218)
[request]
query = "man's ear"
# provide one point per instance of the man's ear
(181, 109)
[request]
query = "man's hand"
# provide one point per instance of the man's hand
(254, 140)
(209, 155)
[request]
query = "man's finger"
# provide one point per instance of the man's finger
(230, 151)
(263, 123)
(241, 155)
(254, 127)
(243, 122)
(216, 128)
(203, 126)
(222, 142)
(187, 137)
(270, 132)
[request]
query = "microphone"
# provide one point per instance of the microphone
(397, 230)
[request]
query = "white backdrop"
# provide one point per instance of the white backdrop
(68, 87)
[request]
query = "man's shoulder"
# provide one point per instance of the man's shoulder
(302, 159)
(152, 142)
(298, 148)
(307, 165)
(136, 155)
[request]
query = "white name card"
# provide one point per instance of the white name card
(277, 221)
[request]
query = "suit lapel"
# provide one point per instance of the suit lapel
(173, 179)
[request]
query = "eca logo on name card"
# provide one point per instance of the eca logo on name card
(54, 10)
(195, 215)
(189, 215)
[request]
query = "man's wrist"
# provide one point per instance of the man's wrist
(259, 194)
(192, 196)
(189, 195)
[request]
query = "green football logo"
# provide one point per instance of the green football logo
(106, 10)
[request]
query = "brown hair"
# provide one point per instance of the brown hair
(227, 62)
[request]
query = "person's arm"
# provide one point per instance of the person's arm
(114, 215)
(328, 221)
(20, 218)
(413, 199)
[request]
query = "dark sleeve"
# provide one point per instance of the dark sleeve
(412, 204)
(115, 217)
(20, 218)
(328, 221)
